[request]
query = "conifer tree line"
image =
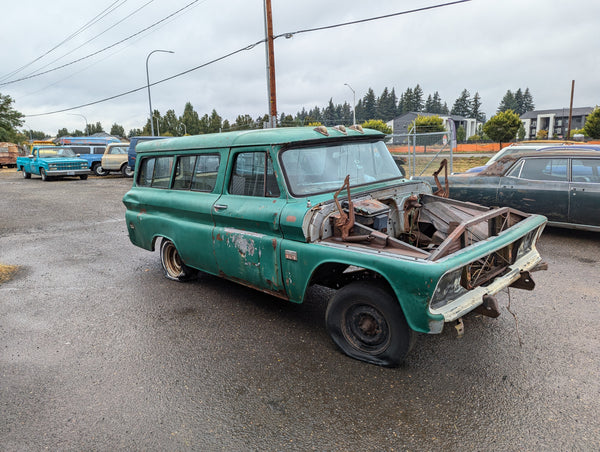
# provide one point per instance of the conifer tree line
(384, 107)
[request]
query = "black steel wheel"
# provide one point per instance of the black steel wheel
(83, 176)
(366, 321)
(172, 265)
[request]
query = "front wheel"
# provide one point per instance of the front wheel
(366, 321)
(43, 174)
(126, 171)
(98, 170)
(173, 267)
(83, 176)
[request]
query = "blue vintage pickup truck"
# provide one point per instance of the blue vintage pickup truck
(52, 161)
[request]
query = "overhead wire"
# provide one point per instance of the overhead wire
(91, 22)
(103, 49)
(92, 38)
(248, 47)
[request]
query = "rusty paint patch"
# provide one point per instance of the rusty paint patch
(219, 238)
(290, 219)
(274, 243)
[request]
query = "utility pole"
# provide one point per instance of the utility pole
(270, 64)
(571, 110)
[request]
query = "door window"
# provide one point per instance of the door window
(586, 170)
(544, 169)
(253, 175)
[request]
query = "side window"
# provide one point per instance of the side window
(155, 172)
(586, 170)
(545, 169)
(205, 172)
(183, 172)
(80, 149)
(253, 175)
(99, 150)
(516, 170)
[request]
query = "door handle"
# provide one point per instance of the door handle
(220, 206)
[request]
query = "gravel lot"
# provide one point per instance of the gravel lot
(100, 352)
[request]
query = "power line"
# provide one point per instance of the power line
(327, 27)
(91, 39)
(248, 47)
(91, 22)
(104, 49)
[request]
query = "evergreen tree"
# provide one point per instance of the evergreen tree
(370, 105)
(170, 124)
(243, 122)
(476, 108)
(117, 130)
(360, 112)
(508, 102)
(190, 119)
(528, 104)
(462, 105)
(429, 105)
(519, 102)
(418, 98)
(329, 117)
(215, 122)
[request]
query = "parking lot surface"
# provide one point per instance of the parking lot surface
(100, 352)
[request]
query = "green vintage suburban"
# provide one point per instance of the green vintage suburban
(283, 209)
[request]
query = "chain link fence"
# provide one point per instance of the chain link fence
(425, 150)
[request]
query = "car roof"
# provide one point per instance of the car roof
(257, 137)
(501, 165)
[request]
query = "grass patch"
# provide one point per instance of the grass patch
(459, 164)
(7, 272)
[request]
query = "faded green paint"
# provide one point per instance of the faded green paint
(259, 241)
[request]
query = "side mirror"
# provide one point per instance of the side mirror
(31, 156)
(77, 155)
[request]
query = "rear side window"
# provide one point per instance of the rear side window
(544, 169)
(253, 175)
(155, 172)
(196, 172)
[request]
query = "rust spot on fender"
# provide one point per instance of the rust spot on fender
(274, 243)
(290, 219)
(219, 238)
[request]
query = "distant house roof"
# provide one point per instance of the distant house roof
(580, 111)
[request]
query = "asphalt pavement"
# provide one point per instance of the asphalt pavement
(100, 352)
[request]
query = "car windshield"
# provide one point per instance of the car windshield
(311, 170)
(49, 153)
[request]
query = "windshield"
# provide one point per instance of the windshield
(313, 170)
(49, 153)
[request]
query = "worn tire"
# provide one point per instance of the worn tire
(44, 175)
(98, 170)
(26, 175)
(366, 321)
(173, 267)
(83, 176)
(126, 171)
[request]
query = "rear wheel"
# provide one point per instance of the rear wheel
(366, 321)
(172, 265)
(26, 175)
(98, 170)
(126, 171)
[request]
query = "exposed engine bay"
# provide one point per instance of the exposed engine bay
(407, 221)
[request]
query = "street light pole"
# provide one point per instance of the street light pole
(353, 104)
(148, 84)
(86, 123)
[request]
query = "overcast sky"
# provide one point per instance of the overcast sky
(485, 46)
